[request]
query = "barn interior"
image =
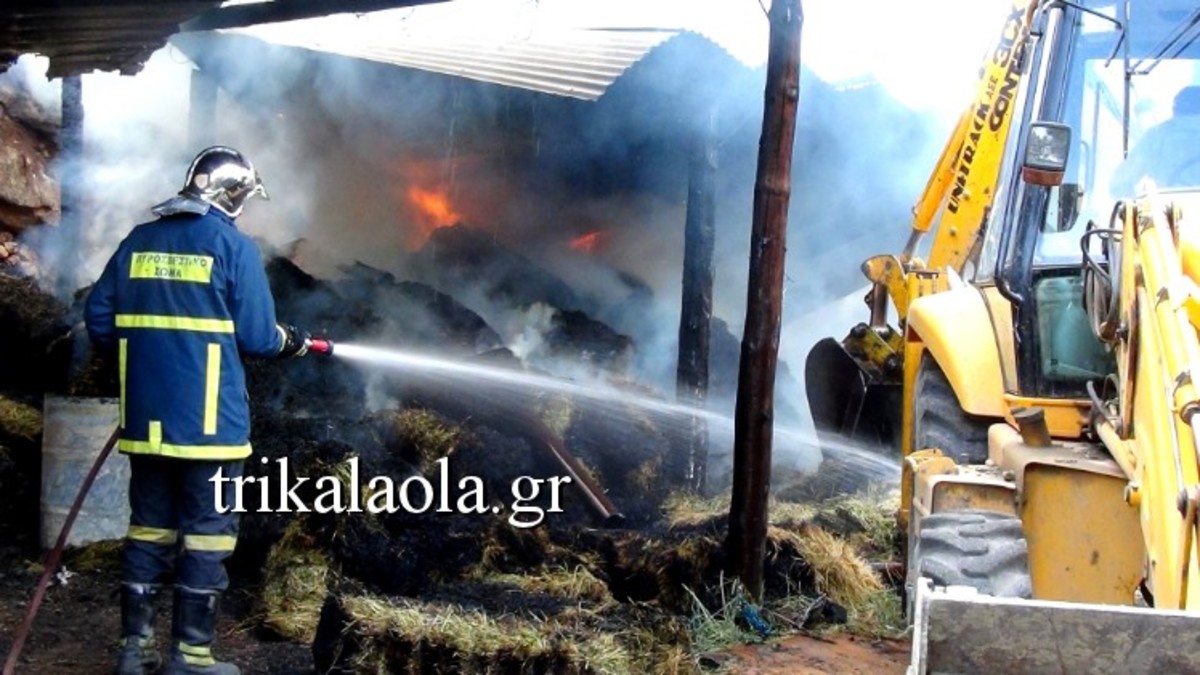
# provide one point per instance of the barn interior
(508, 211)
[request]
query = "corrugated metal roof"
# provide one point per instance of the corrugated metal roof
(574, 62)
(80, 36)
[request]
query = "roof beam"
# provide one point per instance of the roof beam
(240, 16)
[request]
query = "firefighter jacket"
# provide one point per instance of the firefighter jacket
(181, 300)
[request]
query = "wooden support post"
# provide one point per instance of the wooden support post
(754, 415)
(695, 319)
(202, 112)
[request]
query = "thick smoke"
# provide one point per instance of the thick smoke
(348, 148)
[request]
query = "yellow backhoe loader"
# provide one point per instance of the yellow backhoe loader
(1040, 376)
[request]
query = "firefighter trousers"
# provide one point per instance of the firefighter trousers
(174, 524)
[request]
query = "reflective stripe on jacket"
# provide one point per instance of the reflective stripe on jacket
(179, 302)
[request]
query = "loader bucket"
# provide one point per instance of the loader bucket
(957, 630)
(850, 400)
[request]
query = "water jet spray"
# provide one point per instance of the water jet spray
(607, 398)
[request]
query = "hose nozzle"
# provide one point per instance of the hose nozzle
(320, 346)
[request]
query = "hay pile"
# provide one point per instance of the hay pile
(34, 337)
(410, 636)
(297, 578)
(19, 421)
(36, 353)
(378, 594)
(20, 468)
(448, 592)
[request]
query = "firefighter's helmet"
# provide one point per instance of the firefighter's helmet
(224, 178)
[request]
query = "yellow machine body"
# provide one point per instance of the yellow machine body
(1104, 479)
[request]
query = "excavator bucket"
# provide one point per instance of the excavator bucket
(850, 398)
(958, 630)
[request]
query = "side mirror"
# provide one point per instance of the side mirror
(1070, 198)
(1047, 148)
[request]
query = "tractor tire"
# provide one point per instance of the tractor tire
(939, 422)
(982, 549)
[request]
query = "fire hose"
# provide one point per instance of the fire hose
(54, 556)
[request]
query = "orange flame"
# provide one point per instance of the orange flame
(433, 211)
(590, 242)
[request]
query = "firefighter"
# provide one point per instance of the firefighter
(184, 297)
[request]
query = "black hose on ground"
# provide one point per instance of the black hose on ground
(53, 557)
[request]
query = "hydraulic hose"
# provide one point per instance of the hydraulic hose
(54, 556)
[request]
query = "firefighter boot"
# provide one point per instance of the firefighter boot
(138, 654)
(193, 629)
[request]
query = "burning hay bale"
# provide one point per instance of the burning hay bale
(686, 509)
(295, 583)
(491, 595)
(831, 543)
(464, 259)
(578, 584)
(533, 602)
(94, 377)
(556, 412)
(576, 338)
(19, 421)
(512, 550)
(867, 520)
(630, 453)
(292, 449)
(550, 617)
(34, 327)
(20, 466)
(419, 436)
(409, 636)
(417, 314)
(838, 571)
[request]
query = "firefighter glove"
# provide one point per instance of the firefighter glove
(295, 341)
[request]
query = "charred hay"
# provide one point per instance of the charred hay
(407, 636)
(471, 592)
(417, 314)
(35, 329)
(463, 259)
(402, 578)
(296, 579)
(529, 595)
(35, 339)
(574, 337)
